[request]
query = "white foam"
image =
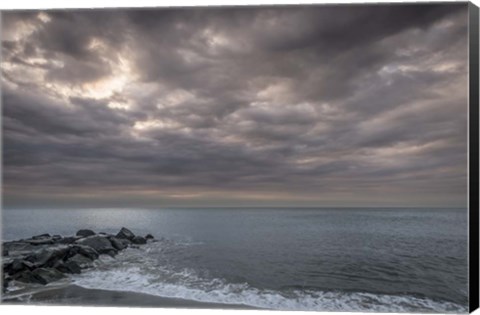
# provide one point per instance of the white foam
(141, 275)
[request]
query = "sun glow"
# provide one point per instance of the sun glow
(115, 83)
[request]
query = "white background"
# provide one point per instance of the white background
(46, 4)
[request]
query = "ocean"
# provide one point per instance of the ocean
(323, 259)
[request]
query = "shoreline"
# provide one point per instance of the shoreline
(74, 295)
(43, 262)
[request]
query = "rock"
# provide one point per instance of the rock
(111, 253)
(40, 275)
(117, 243)
(28, 264)
(17, 265)
(67, 240)
(27, 277)
(5, 285)
(6, 261)
(18, 246)
(99, 243)
(125, 241)
(48, 275)
(44, 258)
(126, 234)
(48, 257)
(139, 240)
(41, 236)
(73, 267)
(41, 241)
(86, 251)
(32, 257)
(67, 267)
(60, 266)
(85, 233)
(82, 261)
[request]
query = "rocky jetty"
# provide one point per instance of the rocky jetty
(45, 258)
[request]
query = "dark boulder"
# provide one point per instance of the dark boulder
(67, 240)
(48, 257)
(99, 243)
(86, 251)
(48, 275)
(85, 233)
(60, 266)
(17, 265)
(67, 267)
(29, 265)
(117, 243)
(149, 237)
(125, 241)
(41, 241)
(111, 253)
(27, 277)
(41, 236)
(40, 275)
(73, 267)
(18, 247)
(82, 261)
(139, 240)
(45, 258)
(126, 234)
(6, 282)
(6, 260)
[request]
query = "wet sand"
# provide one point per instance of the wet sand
(76, 296)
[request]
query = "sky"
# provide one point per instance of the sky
(347, 105)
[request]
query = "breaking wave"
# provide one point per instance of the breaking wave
(142, 270)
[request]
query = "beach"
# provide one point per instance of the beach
(73, 295)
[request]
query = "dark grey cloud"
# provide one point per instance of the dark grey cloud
(314, 105)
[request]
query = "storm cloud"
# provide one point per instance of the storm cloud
(348, 105)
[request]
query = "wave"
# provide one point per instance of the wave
(139, 270)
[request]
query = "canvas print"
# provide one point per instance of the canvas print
(302, 157)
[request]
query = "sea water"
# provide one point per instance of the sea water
(326, 259)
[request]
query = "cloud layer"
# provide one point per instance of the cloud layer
(315, 105)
